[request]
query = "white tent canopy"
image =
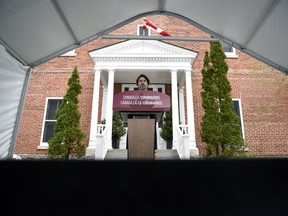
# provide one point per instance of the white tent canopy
(12, 80)
(35, 31)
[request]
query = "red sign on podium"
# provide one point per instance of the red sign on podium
(139, 100)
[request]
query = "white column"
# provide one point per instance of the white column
(109, 107)
(181, 105)
(94, 113)
(104, 103)
(190, 114)
(175, 111)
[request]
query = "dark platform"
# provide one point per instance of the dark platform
(160, 187)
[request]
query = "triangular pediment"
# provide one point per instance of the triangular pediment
(143, 47)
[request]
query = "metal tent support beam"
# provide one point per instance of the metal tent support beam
(19, 114)
(132, 37)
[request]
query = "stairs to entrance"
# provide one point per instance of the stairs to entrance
(160, 154)
(166, 154)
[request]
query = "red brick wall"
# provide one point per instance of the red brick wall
(262, 90)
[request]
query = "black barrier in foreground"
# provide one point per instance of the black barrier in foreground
(195, 187)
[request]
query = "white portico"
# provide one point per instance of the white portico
(163, 64)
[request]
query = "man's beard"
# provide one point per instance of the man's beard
(142, 87)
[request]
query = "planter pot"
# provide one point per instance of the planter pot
(169, 144)
(115, 143)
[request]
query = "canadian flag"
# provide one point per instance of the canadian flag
(148, 24)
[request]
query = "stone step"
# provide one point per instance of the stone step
(160, 154)
(166, 154)
(116, 154)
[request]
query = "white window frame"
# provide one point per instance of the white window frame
(241, 115)
(71, 53)
(230, 54)
(44, 145)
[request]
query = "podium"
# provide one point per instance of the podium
(141, 136)
(141, 110)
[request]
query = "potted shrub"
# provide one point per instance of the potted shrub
(118, 130)
(167, 132)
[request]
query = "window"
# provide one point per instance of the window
(226, 47)
(142, 31)
(131, 87)
(238, 110)
(52, 104)
(229, 50)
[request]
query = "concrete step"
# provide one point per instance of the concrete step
(166, 154)
(160, 154)
(116, 154)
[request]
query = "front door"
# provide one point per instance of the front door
(152, 87)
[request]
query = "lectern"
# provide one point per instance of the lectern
(141, 110)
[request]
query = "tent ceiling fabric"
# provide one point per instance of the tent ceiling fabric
(34, 31)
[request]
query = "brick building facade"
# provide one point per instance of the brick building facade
(260, 90)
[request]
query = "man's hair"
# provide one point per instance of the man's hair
(142, 75)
